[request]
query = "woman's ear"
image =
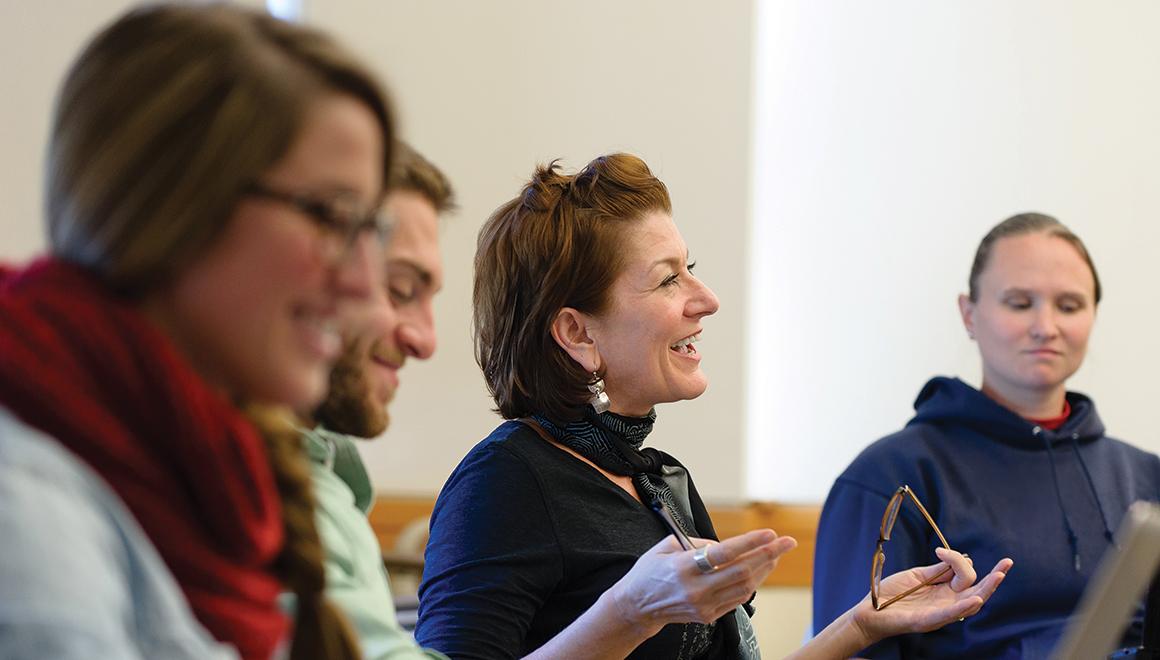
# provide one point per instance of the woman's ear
(570, 330)
(967, 311)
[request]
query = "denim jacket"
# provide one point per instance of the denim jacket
(78, 576)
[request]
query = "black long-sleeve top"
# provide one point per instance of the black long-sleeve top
(524, 539)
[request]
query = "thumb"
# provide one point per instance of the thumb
(963, 567)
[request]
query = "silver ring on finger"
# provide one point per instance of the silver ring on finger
(701, 558)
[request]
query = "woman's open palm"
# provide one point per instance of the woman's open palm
(953, 597)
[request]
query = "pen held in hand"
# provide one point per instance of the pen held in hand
(670, 522)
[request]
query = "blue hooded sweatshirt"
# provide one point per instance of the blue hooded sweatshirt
(998, 486)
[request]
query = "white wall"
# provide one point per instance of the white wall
(889, 137)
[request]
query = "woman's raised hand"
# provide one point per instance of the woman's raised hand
(949, 597)
(952, 598)
(666, 585)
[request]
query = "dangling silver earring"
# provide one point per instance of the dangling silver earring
(599, 400)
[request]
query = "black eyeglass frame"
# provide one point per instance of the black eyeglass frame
(889, 517)
(349, 226)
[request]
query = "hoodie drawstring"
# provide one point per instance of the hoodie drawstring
(1072, 539)
(1092, 486)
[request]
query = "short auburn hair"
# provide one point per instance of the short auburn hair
(556, 245)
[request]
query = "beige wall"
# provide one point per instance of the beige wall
(782, 619)
(488, 90)
(38, 41)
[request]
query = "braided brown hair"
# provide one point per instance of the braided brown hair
(320, 629)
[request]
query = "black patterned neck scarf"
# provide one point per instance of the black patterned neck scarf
(615, 443)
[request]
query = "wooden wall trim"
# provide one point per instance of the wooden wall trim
(795, 569)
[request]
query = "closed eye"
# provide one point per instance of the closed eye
(1018, 303)
(403, 295)
(675, 277)
(406, 283)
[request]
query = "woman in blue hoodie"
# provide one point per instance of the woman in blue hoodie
(1020, 468)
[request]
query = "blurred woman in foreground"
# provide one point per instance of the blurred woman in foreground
(214, 176)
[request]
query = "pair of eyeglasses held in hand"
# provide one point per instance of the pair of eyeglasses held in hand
(893, 507)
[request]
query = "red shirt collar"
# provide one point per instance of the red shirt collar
(1053, 423)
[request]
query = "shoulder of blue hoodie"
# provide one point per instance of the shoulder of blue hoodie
(997, 486)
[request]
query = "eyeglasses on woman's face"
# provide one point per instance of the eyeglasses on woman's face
(339, 217)
(893, 507)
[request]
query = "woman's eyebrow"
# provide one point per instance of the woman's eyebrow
(672, 261)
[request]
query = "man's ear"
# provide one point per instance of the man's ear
(570, 330)
(967, 311)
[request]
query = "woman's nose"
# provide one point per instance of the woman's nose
(703, 302)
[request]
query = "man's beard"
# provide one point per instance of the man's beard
(349, 406)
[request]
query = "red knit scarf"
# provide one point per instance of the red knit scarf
(86, 368)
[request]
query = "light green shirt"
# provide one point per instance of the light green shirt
(356, 580)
